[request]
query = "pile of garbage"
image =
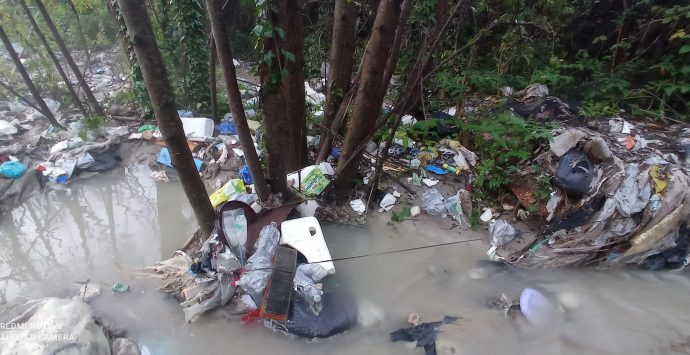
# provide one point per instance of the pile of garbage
(280, 276)
(620, 196)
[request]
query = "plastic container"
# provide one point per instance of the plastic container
(537, 308)
(197, 127)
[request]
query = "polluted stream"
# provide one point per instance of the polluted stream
(107, 227)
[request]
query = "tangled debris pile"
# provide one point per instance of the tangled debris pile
(620, 196)
(280, 276)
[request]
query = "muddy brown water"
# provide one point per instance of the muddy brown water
(105, 227)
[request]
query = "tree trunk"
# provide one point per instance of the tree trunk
(212, 54)
(224, 52)
(273, 100)
(340, 68)
(369, 92)
(161, 94)
(397, 44)
(54, 58)
(70, 61)
(27, 79)
(296, 156)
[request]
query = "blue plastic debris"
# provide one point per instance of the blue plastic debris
(185, 113)
(246, 175)
(12, 169)
(436, 170)
(335, 152)
(227, 127)
(62, 179)
(164, 158)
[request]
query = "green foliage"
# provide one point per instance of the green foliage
(503, 141)
(188, 25)
(92, 124)
(402, 215)
(607, 56)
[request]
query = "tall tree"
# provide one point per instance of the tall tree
(369, 92)
(156, 78)
(213, 88)
(273, 72)
(70, 61)
(340, 67)
(27, 79)
(294, 86)
(397, 44)
(53, 57)
(220, 36)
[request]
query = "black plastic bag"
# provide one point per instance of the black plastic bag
(673, 258)
(338, 314)
(424, 334)
(574, 173)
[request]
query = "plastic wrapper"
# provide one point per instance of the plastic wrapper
(258, 268)
(455, 210)
(634, 193)
(306, 276)
(229, 191)
(501, 233)
(206, 298)
(226, 262)
(432, 202)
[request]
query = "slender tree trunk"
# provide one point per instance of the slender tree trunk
(213, 88)
(70, 61)
(54, 58)
(369, 92)
(340, 68)
(20, 97)
(121, 32)
(161, 94)
(80, 29)
(224, 52)
(273, 100)
(27, 79)
(397, 44)
(296, 157)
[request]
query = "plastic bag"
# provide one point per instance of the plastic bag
(246, 175)
(230, 190)
(206, 297)
(314, 183)
(502, 232)
(306, 276)
(432, 202)
(338, 315)
(632, 197)
(455, 210)
(258, 268)
(12, 169)
(574, 173)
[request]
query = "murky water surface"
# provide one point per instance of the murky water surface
(106, 227)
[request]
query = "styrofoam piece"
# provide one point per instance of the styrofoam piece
(197, 127)
(305, 235)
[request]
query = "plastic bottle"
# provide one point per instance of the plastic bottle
(452, 169)
(241, 234)
(229, 227)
